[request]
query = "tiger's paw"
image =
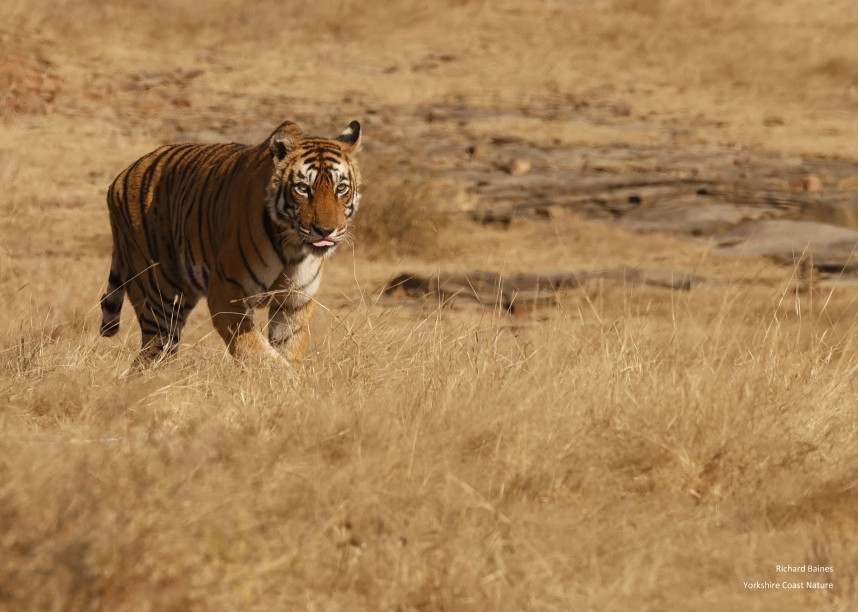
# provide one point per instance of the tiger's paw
(253, 352)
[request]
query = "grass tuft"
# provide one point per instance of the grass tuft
(404, 216)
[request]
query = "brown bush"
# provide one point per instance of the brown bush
(404, 216)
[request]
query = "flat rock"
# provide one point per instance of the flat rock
(829, 246)
(664, 278)
(490, 289)
(525, 292)
(691, 215)
(836, 211)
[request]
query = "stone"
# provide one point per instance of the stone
(830, 247)
(742, 159)
(621, 109)
(691, 215)
(518, 166)
(811, 183)
(523, 293)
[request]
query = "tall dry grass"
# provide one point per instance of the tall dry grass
(605, 459)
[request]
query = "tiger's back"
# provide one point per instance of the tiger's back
(235, 223)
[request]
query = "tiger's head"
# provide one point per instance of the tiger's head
(313, 192)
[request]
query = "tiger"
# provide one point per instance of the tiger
(243, 226)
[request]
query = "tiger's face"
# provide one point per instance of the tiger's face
(314, 189)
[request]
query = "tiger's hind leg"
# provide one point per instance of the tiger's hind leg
(111, 301)
(162, 318)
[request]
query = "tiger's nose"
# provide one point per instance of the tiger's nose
(322, 230)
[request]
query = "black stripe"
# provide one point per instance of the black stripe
(226, 180)
(270, 232)
(192, 277)
(206, 206)
(232, 281)
(223, 182)
(159, 302)
(313, 146)
(114, 279)
(191, 163)
(259, 254)
(323, 159)
(177, 288)
(221, 274)
(190, 264)
(146, 179)
(125, 180)
(147, 324)
(175, 187)
(183, 150)
(189, 179)
(193, 171)
(164, 322)
(151, 242)
(249, 269)
(143, 193)
(175, 182)
(193, 195)
(210, 234)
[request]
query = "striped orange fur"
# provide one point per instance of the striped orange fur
(241, 225)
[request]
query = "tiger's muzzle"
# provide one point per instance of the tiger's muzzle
(322, 240)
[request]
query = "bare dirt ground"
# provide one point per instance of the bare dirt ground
(593, 348)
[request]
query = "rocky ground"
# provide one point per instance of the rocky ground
(798, 211)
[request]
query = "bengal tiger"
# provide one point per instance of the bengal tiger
(238, 224)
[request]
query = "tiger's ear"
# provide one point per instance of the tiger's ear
(284, 139)
(351, 137)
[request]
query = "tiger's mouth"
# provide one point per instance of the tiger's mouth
(321, 246)
(320, 240)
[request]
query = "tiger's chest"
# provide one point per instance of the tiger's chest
(299, 283)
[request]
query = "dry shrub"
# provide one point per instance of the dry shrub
(404, 216)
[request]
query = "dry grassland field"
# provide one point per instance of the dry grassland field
(618, 370)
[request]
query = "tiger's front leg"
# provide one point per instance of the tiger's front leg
(232, 316)
(289, 316)
(289, 328)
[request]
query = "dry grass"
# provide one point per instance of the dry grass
(633, 449)
(407, 216)
(604, 459)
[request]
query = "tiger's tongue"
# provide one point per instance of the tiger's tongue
(323, 243)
